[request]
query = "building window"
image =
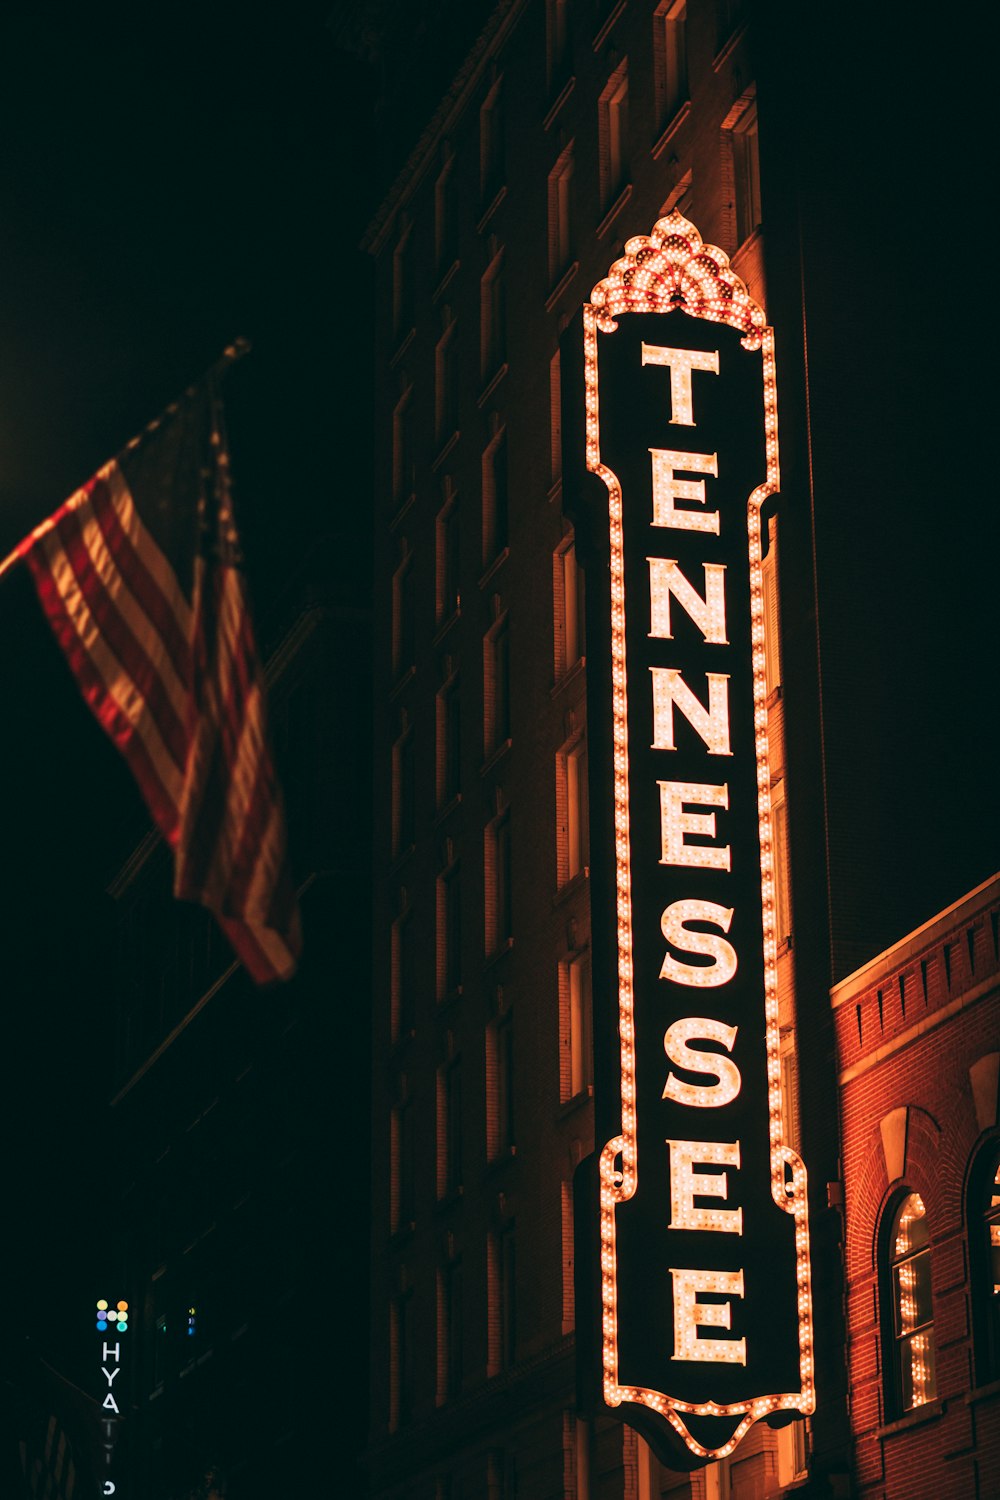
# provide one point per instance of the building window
(910, 1335)
(508, 1297)
(496, 492)
(401, 1353)
(447, 559)
(772, 622)
(449, 913)
(557, 49)
(742, 133)
(502, 1274)
(568, 1257)
(560, 224)
(613, 134)
(450, 1330)
(492, 318)
(568, 608)
(448, 743)
(491, 145)
(449, 1102)
(669, 59)
(500, 1085)
(446, 382)
(496, 687)
(403, 794)
(790, 1093)
(498, 885)
(555, 418)
(401, 1167)
(445, 220)
(779, 845)
(576, 1062)
(576, 1456)
(402, 287)
(501, 1475)
(793, 1458)
(403, 654)
(984, 1261)
(403, 464)
(572, 822)
(403, 981)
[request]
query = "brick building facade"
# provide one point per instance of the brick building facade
(569, 129)
(918, 1029)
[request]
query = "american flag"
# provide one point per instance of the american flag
(139, 574)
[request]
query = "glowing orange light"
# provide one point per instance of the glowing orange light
(673, 269)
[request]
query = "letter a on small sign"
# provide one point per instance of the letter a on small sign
(694, 1282)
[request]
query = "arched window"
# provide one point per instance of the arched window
(984, 1261)
(910, 1331)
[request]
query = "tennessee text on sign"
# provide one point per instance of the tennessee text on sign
(704, 1249)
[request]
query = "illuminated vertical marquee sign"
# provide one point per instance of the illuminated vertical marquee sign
(706, 1321)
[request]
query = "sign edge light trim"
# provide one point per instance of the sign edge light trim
(673, 270)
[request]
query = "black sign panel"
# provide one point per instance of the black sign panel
(703, 1239)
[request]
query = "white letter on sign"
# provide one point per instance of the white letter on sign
(711, 723)
(723, 954)
(690, 1315)
(709, 614)
(667, 488)
(723, 1072)
(675, 824)
(685, 1184)
(681, 362)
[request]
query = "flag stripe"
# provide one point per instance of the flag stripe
(123, 642)
(114, 717)
(131, 611)
(221, 815)
(156, 565)
(164, 604)
(110, 680)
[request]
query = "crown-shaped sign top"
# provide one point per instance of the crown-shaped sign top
(672, 268)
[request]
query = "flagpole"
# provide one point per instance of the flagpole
(229, 356)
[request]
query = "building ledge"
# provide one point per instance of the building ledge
(565, 280)
(670, 130)
(495, 755)
(491, 208)
(729, 46)
(614, 211)
(442, 453)
(916, 942)
(404, 343)
(558, 102)
(494, 567)
(929, 1412)
(570, 676)
(445, 280)
(446, 625)
(498, 952)
(988, 1392)
(577, 1101)
(570, 887)
(491, 384)
(604, 32)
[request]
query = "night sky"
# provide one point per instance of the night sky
(169, 181)
(166, 184)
